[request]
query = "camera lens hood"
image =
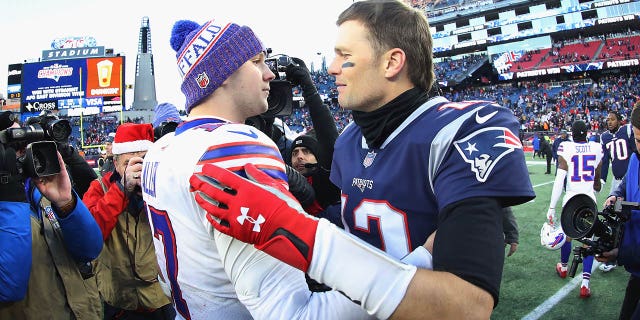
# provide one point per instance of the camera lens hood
(579, 216)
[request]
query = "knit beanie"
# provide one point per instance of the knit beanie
(579, 131)
(308, 142)
(166, 112)
(208, 54)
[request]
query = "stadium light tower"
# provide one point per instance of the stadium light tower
(144, 94)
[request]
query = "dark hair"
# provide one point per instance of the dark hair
(394, 24)
(617, 114)
(635, 118)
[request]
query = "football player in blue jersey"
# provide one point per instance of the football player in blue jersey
(618, 145)
(411, 163)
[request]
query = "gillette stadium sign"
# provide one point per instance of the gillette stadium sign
(73, 47)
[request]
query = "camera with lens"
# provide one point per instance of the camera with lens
(598, 231)
(280, 95)
(164, 128)
(39, 137)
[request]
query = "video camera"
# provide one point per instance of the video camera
(39, 137)
(599, 231)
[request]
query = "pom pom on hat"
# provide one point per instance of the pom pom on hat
(166, 112)
(132, 137)
(207, 55)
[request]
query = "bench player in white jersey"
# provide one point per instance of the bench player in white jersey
(579, 163)
(211, 275)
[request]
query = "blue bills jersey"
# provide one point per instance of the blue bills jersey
(618, 148)
(442, 153)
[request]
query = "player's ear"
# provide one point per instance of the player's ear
(394, 62)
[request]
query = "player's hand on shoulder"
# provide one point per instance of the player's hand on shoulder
(259, 211)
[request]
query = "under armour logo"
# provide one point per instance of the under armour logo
(244, 215)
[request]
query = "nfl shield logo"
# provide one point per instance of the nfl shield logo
(368, 160)
(202, 80)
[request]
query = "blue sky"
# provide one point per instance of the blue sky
(297, 28)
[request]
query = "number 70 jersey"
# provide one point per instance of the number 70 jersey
(582, 160)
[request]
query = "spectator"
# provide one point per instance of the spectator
(127, 270)
(536, 145)
(546, 152)
(107, 161)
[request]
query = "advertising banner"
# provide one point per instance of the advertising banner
(62, 84)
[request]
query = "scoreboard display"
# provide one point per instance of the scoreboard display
(96, 83)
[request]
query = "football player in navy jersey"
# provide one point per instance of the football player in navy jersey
(618, 145)
(410, 164)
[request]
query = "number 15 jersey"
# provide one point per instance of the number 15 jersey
(582, 160)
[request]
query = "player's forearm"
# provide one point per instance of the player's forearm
(442, 295)
(360, 271)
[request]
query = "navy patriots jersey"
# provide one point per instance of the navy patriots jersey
(443, 153)
(617, 148)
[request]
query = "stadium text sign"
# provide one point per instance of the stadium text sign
(72, 53)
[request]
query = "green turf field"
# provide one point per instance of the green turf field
(530, 287)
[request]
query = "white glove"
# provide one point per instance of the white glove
(551, 215)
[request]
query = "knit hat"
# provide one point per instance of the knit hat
(209, 54)
(166, 112)
(306, 141)
(7, 118)
(131, 137)
(579, 130)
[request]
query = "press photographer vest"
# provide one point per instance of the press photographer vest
(56, 288)
(127, 270)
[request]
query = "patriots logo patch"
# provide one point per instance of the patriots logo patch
(484, 148)
(202, 80)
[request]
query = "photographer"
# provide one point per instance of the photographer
(64, 237)
(628, 253)
(311, 155)
(127, 270)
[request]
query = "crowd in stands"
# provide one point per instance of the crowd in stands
(619, 46)
(452, 68)
(543, 107)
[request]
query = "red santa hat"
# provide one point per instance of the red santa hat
(132, 137)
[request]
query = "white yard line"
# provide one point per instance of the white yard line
(558, 296)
